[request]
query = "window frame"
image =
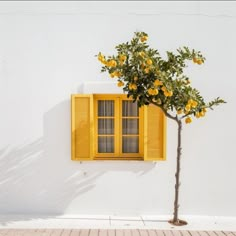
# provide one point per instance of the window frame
(117, 155)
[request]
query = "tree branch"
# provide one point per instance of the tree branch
(182, 117)
(165, 112)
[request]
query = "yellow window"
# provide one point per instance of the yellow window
(112, 127)
(118, 130)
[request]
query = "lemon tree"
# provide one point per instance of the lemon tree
(147, 78)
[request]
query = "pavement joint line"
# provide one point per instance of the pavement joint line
(143, 220)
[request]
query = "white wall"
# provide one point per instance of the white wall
(47, 52)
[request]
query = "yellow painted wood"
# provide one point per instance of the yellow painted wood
(154, 134)
(117, 155)
(117, 126)
(73, 127)
(84, 130)
(82, 127)
(138, 155)
(96, 153)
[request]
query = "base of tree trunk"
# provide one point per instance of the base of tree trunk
(178, 222)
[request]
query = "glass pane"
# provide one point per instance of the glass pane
(105, 108)
(105, 126)
(129, 108)
(106, 144)
(130, 144)
(130, 126)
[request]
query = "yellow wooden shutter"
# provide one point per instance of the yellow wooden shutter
(154, 134)
(82, 127)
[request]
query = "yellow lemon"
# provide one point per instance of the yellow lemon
(179, 111)
(118, 73)
(188, 120)
(112, 63)
(103, 61)
(202, 113)
(155, 92)
(195, 60)
(132, 86)
(163, 88)
(194, 104)
(112, 75)
(157, 82)
(187, 107)
(190, 102)
(149, 62)
(197, 114)
(108, 63)
(166, 93)
(142, 54)
(199, 61)
(100, 57)
(150, 91)
(120, 84)
(122, 58)
(144, 38)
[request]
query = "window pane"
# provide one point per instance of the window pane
(130, 144)
(106, 144)
(129, 108)
(105, 126)
(105, 108)
(130, 126)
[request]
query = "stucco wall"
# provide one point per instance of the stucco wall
(47, 53)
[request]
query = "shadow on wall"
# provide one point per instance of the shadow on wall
(39, 178)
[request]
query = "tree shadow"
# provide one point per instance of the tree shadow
(39, 178)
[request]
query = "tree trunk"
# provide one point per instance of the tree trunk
(176, 220)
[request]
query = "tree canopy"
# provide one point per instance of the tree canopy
(149, 79)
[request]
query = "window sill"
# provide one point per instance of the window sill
(118, 158)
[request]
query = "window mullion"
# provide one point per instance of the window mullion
(117, 127)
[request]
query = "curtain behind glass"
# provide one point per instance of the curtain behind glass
(130, 127)
(129, 109)
(105, 108)
(106, 126)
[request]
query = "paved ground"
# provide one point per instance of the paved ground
(70, 223)
(110, 232)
